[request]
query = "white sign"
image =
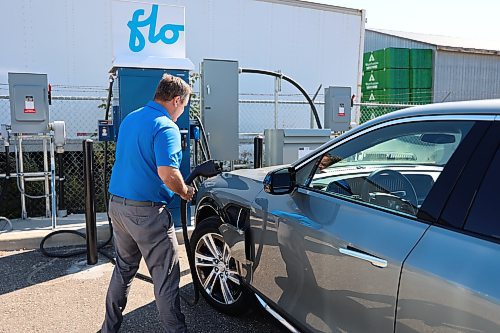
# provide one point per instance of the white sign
(147, 30)
(303, 151)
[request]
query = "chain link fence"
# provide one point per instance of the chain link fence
(256, 113)
(74, 191)
(369, 111)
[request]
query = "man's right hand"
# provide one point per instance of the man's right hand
(188, 195)
(174, 181)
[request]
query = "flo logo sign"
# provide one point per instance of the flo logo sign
(168, 33)
(142, 30)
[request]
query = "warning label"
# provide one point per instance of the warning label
(341, 112)
(29, 105)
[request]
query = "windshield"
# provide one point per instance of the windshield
(403, 150)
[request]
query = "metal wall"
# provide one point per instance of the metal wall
(376, 41)
(312, 43)
(457, 76)
(465, 76)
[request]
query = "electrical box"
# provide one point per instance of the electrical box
(337, 108)
(220, 108)
(29, 104)
(284, 146)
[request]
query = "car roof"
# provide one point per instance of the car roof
(480, 107)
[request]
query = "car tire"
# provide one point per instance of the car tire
(215, 273)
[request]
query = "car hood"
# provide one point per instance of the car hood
(239, 186)
(256, 174)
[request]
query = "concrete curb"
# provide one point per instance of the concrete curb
(28, 234)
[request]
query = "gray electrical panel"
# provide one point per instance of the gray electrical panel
(337, 108)
(284, 146)
(29, 105)
(219, 107)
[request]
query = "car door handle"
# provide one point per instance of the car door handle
(363, 256)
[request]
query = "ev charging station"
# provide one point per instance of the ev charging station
(140, 62)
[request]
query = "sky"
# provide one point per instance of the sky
(478, 19)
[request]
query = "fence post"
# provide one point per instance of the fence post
(90, 211)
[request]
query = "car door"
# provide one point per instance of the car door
(329, 255)
(449, 283)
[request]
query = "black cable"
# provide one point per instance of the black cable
(206, 169)
(295, 84)
(187, 245)
(105, 163)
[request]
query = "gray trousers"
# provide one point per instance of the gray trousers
(148, 232)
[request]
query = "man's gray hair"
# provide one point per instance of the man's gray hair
(171, 86)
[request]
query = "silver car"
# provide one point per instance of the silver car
(392, 227)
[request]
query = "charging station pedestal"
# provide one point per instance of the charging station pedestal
(134, 88)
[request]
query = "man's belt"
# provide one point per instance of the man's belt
(135, 203)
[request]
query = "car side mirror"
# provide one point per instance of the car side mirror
(281, 181)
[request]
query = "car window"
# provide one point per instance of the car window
(393, 167)
(484, 216)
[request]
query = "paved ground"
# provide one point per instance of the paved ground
(41, 294)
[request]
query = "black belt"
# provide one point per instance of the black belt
(135, 203)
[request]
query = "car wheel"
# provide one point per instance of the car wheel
(216, 273)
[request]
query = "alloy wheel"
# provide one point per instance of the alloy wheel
(216, 269)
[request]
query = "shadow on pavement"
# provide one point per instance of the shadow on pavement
(202, 318)
(26, 269)
(29, 268)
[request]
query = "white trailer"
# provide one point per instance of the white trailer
(71, 41)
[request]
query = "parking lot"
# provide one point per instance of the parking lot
(41, 294)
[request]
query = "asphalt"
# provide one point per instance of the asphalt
(43, 294)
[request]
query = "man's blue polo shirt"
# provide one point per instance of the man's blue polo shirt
(147, 139)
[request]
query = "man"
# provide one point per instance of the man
(144, 179)
(326, 161)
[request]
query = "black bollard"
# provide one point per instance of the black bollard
(258, 144)
(90, 211)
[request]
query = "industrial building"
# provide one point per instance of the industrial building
(461, 69)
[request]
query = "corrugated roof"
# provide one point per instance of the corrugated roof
(319, 5)
(447, 43)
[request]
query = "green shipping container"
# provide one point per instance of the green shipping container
(389, 58)
(386, 79)
(421, 58)
(387, 96)
(373, 61)
(395, 57)
(421, 78)
(421, 96)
